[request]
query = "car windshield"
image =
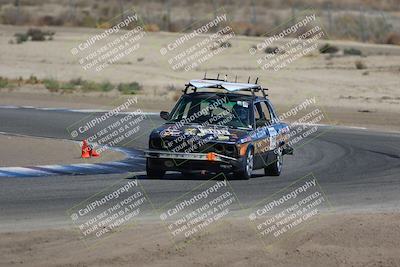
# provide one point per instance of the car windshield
(215, 110)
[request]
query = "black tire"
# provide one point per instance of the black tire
(275, 168)
(245, 173)
(154, 173)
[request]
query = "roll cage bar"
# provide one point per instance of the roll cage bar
(223, 84)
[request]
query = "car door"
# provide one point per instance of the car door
(273, 128)
(260, 136)
(267, 129)
(281, 128)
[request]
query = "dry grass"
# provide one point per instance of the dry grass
(365, 20)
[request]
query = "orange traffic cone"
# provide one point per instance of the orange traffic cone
(93, 153)
(85, 150)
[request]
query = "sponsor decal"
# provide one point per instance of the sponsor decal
(170, 132)
(191, 131)
(262, 146)
(243, 104)
(245, 140)
(215, 132)
(223, 137)
(272, 137)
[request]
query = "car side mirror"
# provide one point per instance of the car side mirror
(164, 115)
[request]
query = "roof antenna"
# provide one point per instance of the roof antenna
(257, 80)
(218, 76)
(205, 75)
(226, 77)
(236, 79)
(248, 80)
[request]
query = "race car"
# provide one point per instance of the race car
(219, 126)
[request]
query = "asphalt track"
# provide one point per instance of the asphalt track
(357, 169)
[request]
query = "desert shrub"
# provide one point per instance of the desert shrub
(226, 44)
(152, 27)
(104, 25)
(271, 50)
(90, 86)
(258, 30)
(76, 81)
(328, 49)
(3, 82)
(393, 38)
(106, 86)
(362, 27)
(93, 86)
(38, 34)
(246, 28)
(51, 85)
(105, 11)
(377, 29)
(69, 87)
(88, 21)
(20, 80)
(129, 88)
(352, 51)
(32, 80)
(347, 26)
(360, 65)
(34, 34)
(21, 37)
(49, 20)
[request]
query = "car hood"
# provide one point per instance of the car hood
(213, 133)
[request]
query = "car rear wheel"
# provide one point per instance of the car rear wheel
(246, 172)
(153, 172)
(275, 168)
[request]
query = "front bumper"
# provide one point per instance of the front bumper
(177, 161)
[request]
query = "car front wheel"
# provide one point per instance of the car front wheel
(247, 170)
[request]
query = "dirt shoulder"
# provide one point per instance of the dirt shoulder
(369, 239)
(30, 151)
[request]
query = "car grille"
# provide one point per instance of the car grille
(229, 150)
